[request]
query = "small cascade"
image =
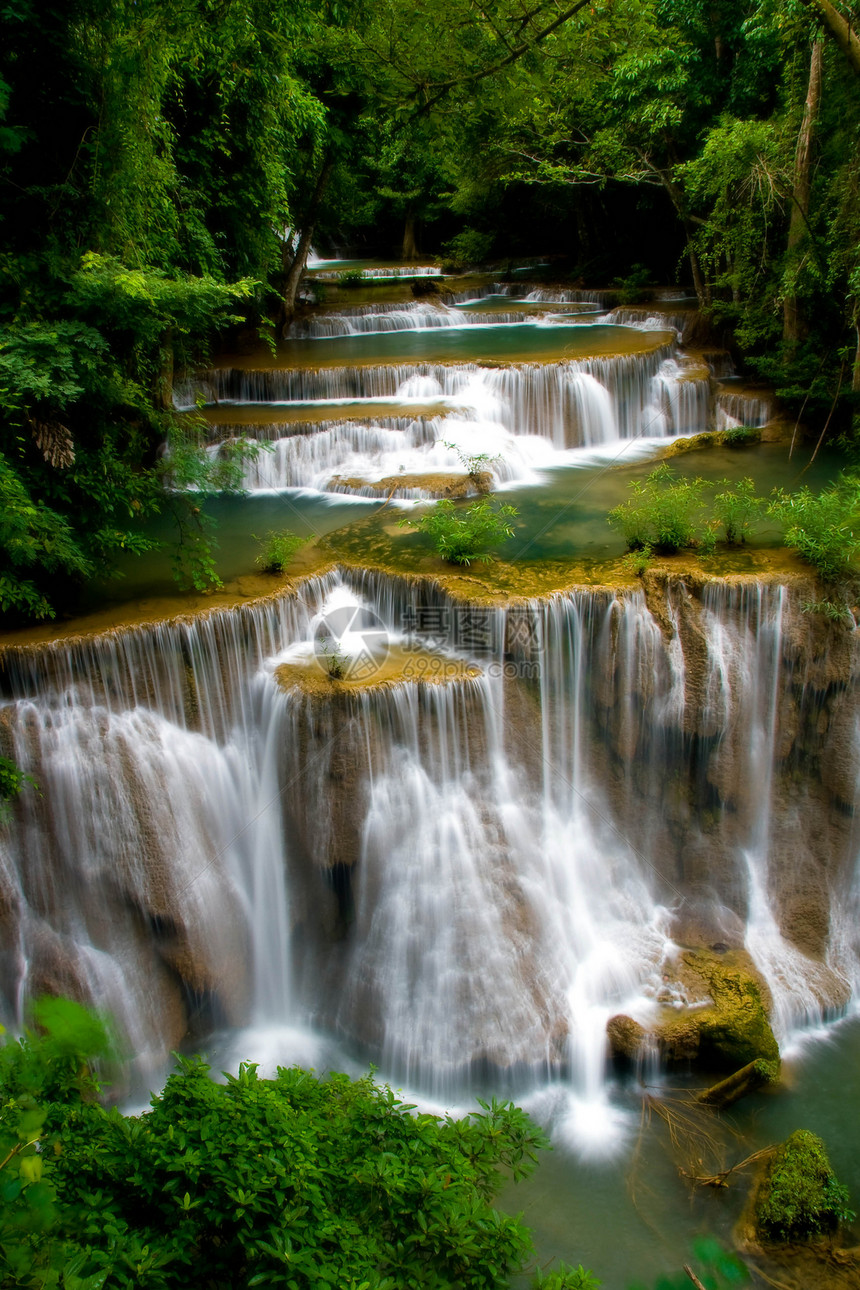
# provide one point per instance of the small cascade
(647, 320)
(740, 408)
(681, 400)
(568, 296)
(376, 320)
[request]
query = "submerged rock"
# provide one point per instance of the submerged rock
(799, 1195)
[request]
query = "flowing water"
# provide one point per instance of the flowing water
(463, 873)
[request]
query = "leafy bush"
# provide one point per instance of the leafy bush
(462, 535)
(741, 436)
(565, 1278)
(278, 550)
(824, 527)
(664, 512)
(469, 247)
(292, 1181)
(800, 1196)
(633, 288)
(350, 278)
(736, 509)
(12, 781)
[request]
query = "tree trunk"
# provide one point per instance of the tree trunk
(297, 268)
(847, 40)
(703, 291)
(409, 250)
(794, 328)
(164, 378)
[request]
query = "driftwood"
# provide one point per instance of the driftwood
(748, 1079)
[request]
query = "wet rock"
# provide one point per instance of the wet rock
(723, 1025)
(626, 1038)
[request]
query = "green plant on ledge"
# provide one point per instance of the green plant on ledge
(278, 550)
(663, 513)
(736, 510)
(824, 527)
(466, 534)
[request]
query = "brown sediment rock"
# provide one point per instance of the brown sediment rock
(627, 1037)
(723, 1024)
(433, 484)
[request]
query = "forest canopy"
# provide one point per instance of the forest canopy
(166, 167)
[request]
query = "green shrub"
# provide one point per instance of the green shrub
(741, 436)
(824, 527)
(12, 781)
(469, 247)
(350, 278)
(800, 1196)
(664, 512)
(633, 288)
(565, 1278)
(278, 549)
(290, 1182)
(464, 534)
(736, 509)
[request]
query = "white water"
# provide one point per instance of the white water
(742, 410)
(525, 417)
(507, 873)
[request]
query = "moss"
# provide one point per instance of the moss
(738, 1030)
(800, 1196)
(732, 1029)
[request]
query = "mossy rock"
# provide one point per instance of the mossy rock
(800, 1196)
(728, 1031)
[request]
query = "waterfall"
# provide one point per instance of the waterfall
(461, 881)
(741, 409)
(518, 416)
(378, 319)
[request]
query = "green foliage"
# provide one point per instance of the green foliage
(634, 287)
(334, 660)
(350, 278)
(475, 464)
(736, 510)
(463, 534)
(50, 1064)
(800, 1196)
(638, 561)
(829, 609)
(291, 1181)
(12, 781)
(741, 436)
(825, 526)
(664, 512)
(278, 549)
(470, 247)
(565, 1278)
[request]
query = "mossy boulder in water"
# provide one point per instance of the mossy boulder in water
(799, 1195)
(725, 1024)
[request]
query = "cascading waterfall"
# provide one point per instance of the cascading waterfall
(462, 880)
(740, 409)
(376, 320)
(511, 414)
